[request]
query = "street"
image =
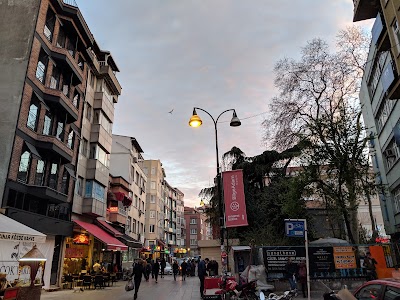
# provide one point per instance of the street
(165, 289)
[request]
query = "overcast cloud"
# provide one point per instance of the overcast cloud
(213, 54)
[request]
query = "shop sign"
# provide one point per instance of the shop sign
(344, 257)
(14, 237)
(321, 261)
(75, 253)
(276, 257)
(81, 239)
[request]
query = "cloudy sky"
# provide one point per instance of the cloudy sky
(212, 54)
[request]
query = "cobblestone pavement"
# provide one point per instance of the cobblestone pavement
(165, 289)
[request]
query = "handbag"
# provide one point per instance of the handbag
(129, 285)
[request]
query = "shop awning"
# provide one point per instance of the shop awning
(107, 227)
(126, 201)
(11, 230)
(111, 242)
(130, 242)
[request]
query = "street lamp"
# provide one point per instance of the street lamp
(195, 121)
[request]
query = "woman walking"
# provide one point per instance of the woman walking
(302, 270)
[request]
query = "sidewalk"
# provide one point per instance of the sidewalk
(165, 289)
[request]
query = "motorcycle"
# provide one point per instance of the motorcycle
(232, 290)
(288, 295)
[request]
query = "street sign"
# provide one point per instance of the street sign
(294, 228)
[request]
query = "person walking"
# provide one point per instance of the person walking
(302, 271)
(184, 267)
(202, 272)
(163, 264)
(148, 270)
(156, 269)
(369, 264)
(175, 269)
(137, 273)
(193, 268)
(291, 271)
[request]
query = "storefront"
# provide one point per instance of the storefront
(16, 240)
(89, 244)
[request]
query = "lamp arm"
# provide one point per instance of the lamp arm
(215, 122)
(231, 109)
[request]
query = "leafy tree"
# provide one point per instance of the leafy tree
(318, 104)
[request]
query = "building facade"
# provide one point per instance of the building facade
(127, 163)
(56, 130)
(196, 229)
(379, 96)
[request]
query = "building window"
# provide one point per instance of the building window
(88, 112)
(193, 221)
(71, 139)
(91, 79)
(75, 100)
(24, 165)
(84, 147)
(79, 186)
(53, 176)
(132, 174)
(80, 62)
(193, 231)
(383, 113)
(49, 25)
(33, 115)
(136, 201)
(145, 171)
(41, 66)
(39, 176)
(152, 229)
(153, 171)
(134, 226)
(48, 121)
(65, 182)
(60, 131)
(96, 152)
(95, 190)
(152, 214)
(153, 185)
(128, 225)
(55, 79)
(193, 242)
(396, 199)
(396, 31)
(61, 38)
(152, 198)
(137, 178)
(392, 154)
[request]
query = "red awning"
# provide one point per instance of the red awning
(126, 201)
(107, 227)
(111, 242)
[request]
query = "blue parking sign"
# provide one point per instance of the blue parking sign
(294, 228)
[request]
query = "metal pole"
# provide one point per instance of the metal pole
(307, 260)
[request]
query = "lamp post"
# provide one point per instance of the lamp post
(195, 121)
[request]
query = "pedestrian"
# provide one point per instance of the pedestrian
(137, 273)
(163, 264)
(369, 264)
(291, 271)
(193, 268)
(201, 270)
(184, 266)
(189, 268)
(175, 269)
(215, 268)
(302, 271)
(152, 268)
(156, 269)
(148, 270)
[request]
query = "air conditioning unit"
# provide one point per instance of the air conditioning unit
(390, 153)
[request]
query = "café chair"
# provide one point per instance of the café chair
(87, 281)
(98, 281)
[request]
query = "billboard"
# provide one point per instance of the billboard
(235, 204)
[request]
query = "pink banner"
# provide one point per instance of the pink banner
(235, 204)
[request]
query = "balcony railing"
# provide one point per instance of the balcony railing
(70, 2)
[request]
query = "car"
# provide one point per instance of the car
(168, 269)
(379, 289)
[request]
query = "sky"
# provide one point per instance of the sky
(213, 54)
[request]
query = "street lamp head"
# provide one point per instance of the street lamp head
(235, 122)
(195, 120)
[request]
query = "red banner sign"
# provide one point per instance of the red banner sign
(235, 205)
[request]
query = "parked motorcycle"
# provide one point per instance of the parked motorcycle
(288, 295)
(232, 290)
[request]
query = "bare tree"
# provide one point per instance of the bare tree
(318, 103)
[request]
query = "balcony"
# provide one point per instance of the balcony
(101, 136)
(56, 99)
(108, 74)
(97, 171)
(101, 101)
(93, 207)
(365, 9)
(65, 59)
(54, 147)
(380, 35)
(117, 215)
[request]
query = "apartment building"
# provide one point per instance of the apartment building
(181, 248)
(196, 229)
(59, 89)
(379, 96)
(170, 217)
(127, 164)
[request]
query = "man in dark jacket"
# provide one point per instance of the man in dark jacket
(184, 267)
(137, 273)
(163, 264)
(291, 271)
(156, 269)
(201, 270)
